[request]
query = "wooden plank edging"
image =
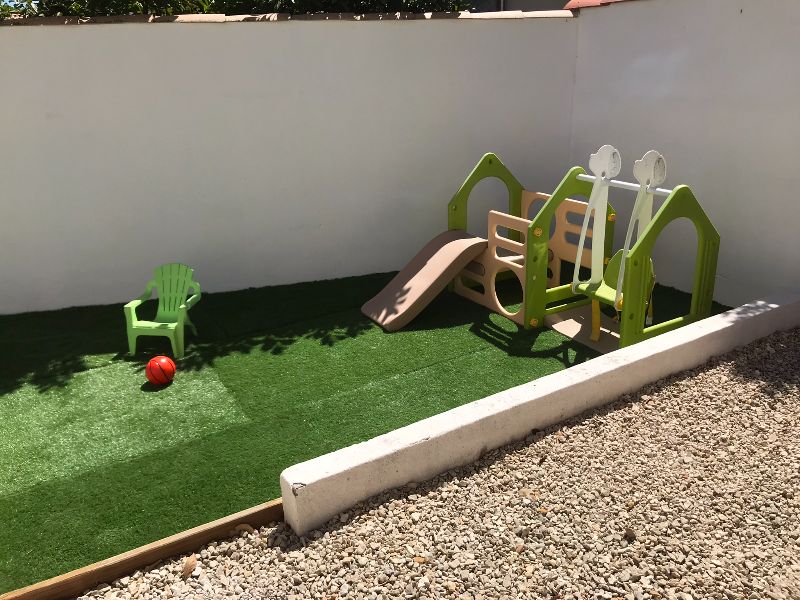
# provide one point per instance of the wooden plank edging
(81, 580)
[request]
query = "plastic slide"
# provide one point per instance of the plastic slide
(422, 279)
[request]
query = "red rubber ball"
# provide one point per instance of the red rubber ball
(160, 370)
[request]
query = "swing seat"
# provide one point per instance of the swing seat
(606, 290)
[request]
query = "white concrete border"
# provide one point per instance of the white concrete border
(316, 490)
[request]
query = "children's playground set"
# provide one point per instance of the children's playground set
(533, 248)
(530, 248)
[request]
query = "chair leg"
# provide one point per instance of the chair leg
(131, 342)
(190, 324)
(177, 342)
(595, 335)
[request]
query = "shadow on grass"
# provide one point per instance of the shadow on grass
(327, 331)
(150, 387)
(522, 343)
(47, 349)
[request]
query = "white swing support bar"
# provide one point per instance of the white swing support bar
(626, 185)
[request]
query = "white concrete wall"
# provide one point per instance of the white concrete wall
(267, 153)
(713, 85)
(259, 153)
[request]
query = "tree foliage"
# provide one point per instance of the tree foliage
(91, 8)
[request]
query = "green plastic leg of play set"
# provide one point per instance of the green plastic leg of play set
(681, 203)
(537, 295)
(638, 278)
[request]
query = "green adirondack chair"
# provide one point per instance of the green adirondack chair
(173, 282)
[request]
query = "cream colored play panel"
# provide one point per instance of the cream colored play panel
(576, 324)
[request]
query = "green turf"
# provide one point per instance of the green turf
(96, 462)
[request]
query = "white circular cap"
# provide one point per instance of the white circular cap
(606, 162)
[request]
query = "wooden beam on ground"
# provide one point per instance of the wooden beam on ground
(81, 580)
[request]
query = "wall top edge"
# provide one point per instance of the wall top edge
(273, 17)
(578, 4)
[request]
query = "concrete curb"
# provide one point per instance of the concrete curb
(316, 490)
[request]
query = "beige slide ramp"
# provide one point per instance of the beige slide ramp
(422, 279)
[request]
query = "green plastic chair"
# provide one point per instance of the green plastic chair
(173, 282)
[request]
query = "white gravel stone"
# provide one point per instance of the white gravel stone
(688, 489)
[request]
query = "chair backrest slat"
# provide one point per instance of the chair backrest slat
(173, 282)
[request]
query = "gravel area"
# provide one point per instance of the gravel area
(689, 488)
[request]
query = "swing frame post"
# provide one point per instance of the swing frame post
(681, 203)
(537, 295)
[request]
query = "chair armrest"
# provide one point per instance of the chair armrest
(130, 311)
(194, 297)
(130, 307)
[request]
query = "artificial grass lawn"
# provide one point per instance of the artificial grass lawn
(96, 462)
